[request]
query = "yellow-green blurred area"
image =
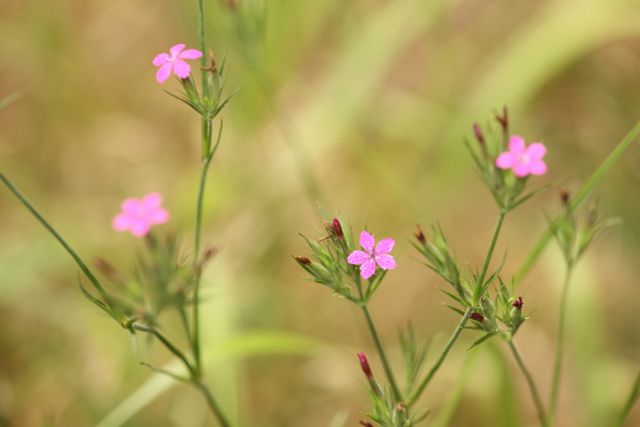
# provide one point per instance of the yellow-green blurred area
(377, 97)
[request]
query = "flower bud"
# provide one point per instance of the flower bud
(476, 316)
(337, 228)
(518, 303)
(366, 423)
(503, 119)
(477, 131)
(364, 364)
(419, 234)
(565, 196)
(302, 260)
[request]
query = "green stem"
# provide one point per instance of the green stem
(631, 400)
(532, 385)
(452, 339)
(203, 48)
(487, 260)
(376, 339)
(168, 344)
(198, 238)
(213, 404)
(385, 363)
(557, 366)
(87, 272)
(458, 330)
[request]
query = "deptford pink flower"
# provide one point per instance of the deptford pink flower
(523, 160)
(139, 215)
(173, 62)
(373, 255)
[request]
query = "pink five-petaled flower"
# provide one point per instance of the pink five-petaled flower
(372, 255)
(174, 62)
(139, 215)
(523, 160)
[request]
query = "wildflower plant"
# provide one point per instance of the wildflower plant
(164, 279)
(485, 301)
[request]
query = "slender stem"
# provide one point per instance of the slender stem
(452, 339)
(532, 385)
(458, 330)
(83, 266)
(631, 400)
(185, 323)
(213, 404)
(487, 260)
(168, 344)
(557, 366)
(385, 363)
(198, 238)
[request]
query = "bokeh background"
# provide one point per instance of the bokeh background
(372, 99)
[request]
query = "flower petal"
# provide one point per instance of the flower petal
(368, 269)
(151, 201)
(505, 160)
(160, 59)
(358, 257)
(139, 228)
(385, 246)
(163, 73)
(121, 222)
(536, 150)
(181, 69)
(386, 262)
(516, 144)
(367, 241)
(521, 170)
(130, 205)
(190, 54)
(537, 167)
(175, 50)
(159, 216)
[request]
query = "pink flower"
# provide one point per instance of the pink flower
(372, 255)
(523, 160)
(139, 215)
(174, 62)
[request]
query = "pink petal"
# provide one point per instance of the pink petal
(358, 258)
(367, 241)
(163, 73)
(368, 269)
(151, 201)
(160, 59)
(385, 246)
(175, 50)
(506, 160)
(190, 54)
(521, 170)
(537, 167)
(121, 222)
(516, 144)
(386, 262)
(159, 216)
(536, 151)
(130, 205)
(181, 69)
(139, 228)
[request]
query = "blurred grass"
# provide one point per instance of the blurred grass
(378, 94)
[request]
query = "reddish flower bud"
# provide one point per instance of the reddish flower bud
(364, 364)
(477, 316)
(477, 131)
(518, 303)
(565, 197)
(302, 260)
(503, 119)
(366, 423)
(420, 235)
(337, 228)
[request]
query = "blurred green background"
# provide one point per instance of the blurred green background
(376, 96)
